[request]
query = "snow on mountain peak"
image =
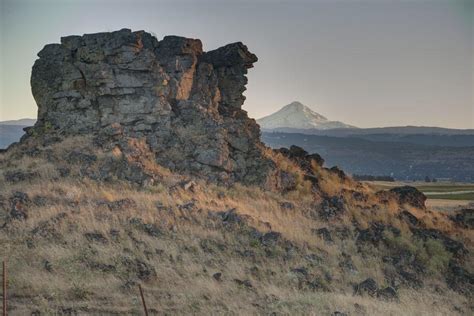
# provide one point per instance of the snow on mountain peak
(298, 115)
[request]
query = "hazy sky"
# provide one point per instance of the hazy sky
(367, 63)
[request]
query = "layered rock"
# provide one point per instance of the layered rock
(185, 103)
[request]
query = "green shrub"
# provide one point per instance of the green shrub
(439, 257)
(431, 253)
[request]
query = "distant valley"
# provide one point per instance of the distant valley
(406, 153)
(402, 160)
(11, 131)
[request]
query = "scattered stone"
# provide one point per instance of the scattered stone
(97, 237)
(343, 232)
(114, 233)
(68, 311)
(331, 208)
(18, 202)
(347, 264)
(373, 234)
(78, 157)
(122, 204)
(360, 310)
(212, 246)
(302, 271)
(140, 268)
(410, 218)
(359, 196)
(47, 266)
(316, 284)
(245, 283)
(338, 172)
(231, 217)
(103, 267)
(313, 259)
(388, 293)
(217, 276)
(19, 196)
(323, 233)
(410, 279)
(160, 206)
(459, 279)
(188, 206)
(369, 287)
(188, 185)
(40, 200)
(287, 205)
(48, 228)
(270, 238)
(411, 196)
(464, 218)
(64, 172)
(150, 229)
(15, 176)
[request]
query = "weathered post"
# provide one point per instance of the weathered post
(4, 265)
(143, 299)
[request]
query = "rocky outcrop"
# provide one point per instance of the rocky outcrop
(410, 195)
(301, 157)
(184, 102)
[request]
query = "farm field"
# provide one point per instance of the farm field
(441, 195)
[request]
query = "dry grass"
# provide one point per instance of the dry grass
(53, 265)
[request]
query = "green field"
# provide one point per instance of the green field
(438, 191)
(444, 187)
(457, 196)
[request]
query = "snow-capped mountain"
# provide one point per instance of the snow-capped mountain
(297, 115)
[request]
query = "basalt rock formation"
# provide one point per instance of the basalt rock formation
(183, 102)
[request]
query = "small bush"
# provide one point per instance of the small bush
(439, 257)
(431, 254)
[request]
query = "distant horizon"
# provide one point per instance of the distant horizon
(366, 63)
(356, 127)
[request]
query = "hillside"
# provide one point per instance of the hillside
(142, 169)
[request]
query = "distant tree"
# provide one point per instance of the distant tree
(367, 177)
(434, 180)
(427, 179)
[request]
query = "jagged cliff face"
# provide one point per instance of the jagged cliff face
(185, 103)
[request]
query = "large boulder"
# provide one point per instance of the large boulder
(410, 195)
(301, 157)
(184, 102)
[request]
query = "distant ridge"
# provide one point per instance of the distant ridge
(11, 131)
(391, 130)
(22, 122)
(298, 115)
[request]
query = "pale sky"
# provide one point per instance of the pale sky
(367, 63)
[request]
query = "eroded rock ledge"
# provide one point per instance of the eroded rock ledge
(185, 103)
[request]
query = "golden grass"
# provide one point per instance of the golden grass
(183, 283)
